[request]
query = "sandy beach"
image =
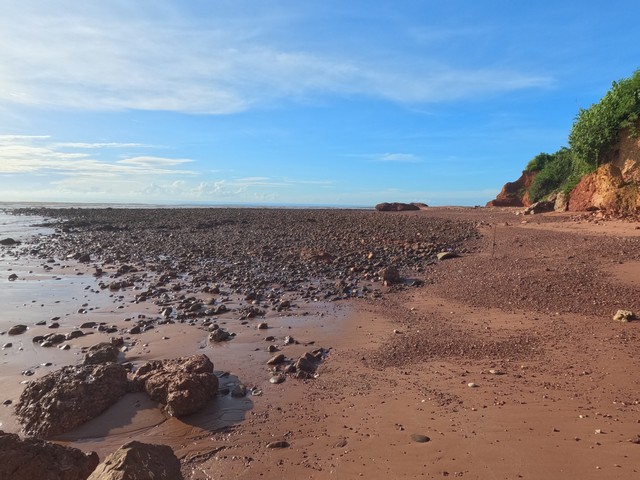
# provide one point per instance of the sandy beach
(503, 362)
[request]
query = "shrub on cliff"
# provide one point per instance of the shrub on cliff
(554, 171)
(597, 128)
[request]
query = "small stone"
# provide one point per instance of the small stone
(446, 255)
(624, 316)
(472, 385)
(13, 277)
(17, 329)
(7, 345)
(66, 346)
(278, 444)
(263, 326)
(276, 359)
(276, 379)
(239, 391)
(416, 437)
(7, 402)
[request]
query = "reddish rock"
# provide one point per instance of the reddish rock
(65, 399)
(515, 194)
(597, 190)
(139, 461)
(29, 459)
(184, 385)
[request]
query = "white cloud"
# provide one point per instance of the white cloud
(154, 56)
(398, 157)
(36, 154)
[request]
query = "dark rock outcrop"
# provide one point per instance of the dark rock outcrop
(29, 459)
(139, 461)
(396, 207)
(515, 194)
(104, 352)
(184, 385)
(65, 399)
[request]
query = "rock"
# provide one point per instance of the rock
(17, 329)
(446, 255)
(7, 345)
(74, 334)
(396, 207)
(276, 379)
(66, 398)
(88, 325)
(624, 316)
(390, 275)
(278, 444)
(101, 353)
(13, 277)
(263, 326)
(219, 335)
(139, 461)
(539, 207)
(416, 437)
(239, 391)
(31, 459)
(472, 385)
(276, 359)
(303, 364)
(184, 385)
(7, 242)
(85, 258)
(561, 203)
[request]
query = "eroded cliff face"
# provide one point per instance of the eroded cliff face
(614, 186)
(515, 194)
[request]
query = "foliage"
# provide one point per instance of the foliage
(598, 127)
(555, 171)
(594, 131)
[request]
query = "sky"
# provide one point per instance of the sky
(298, 102)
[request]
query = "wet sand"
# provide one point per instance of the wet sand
(528, 321)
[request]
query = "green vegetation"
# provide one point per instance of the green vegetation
(594, 132)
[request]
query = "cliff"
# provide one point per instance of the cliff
(515, 194)
(613, 187)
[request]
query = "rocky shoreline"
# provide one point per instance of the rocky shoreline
(424, 355)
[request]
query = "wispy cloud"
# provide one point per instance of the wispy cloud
(55, 173)
(388, 157)
(36, 154)
(99, 56)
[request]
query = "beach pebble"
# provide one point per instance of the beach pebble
(263, 326)
(17, 329)
(7, 402)
(239, 391)
(416, 437)
(276, 359)
(278, 444)
(472, 385)
(276, 379)
(7, 345)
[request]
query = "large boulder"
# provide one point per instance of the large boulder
(28, 459)
(139, 461)
(184, 385)
(65, 399)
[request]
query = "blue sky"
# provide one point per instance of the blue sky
(295, 102)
